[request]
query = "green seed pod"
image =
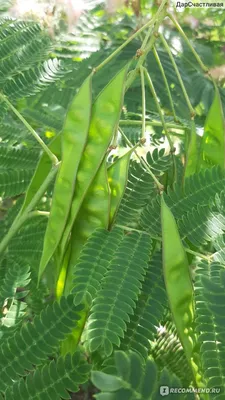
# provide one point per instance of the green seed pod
(74, 138)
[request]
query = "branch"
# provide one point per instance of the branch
(20, 219)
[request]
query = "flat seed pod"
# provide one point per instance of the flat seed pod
(74, 138)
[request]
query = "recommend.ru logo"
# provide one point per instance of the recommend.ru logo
(164, 390)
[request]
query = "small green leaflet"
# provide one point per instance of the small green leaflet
(213, 141)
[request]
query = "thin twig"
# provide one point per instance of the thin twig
(38, 213)
(30, 129)
(165, 81)
(152, 89)
(180, 30)
(169, 125)
(118, 50)
(127, 228)
(157, 20)
(143, 101)
(144, 163)
(167, 48)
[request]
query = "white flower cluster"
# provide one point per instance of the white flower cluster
(49, 12)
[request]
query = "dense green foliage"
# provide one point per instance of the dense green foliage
(130, 297)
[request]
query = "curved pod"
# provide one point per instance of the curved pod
(74, 138)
